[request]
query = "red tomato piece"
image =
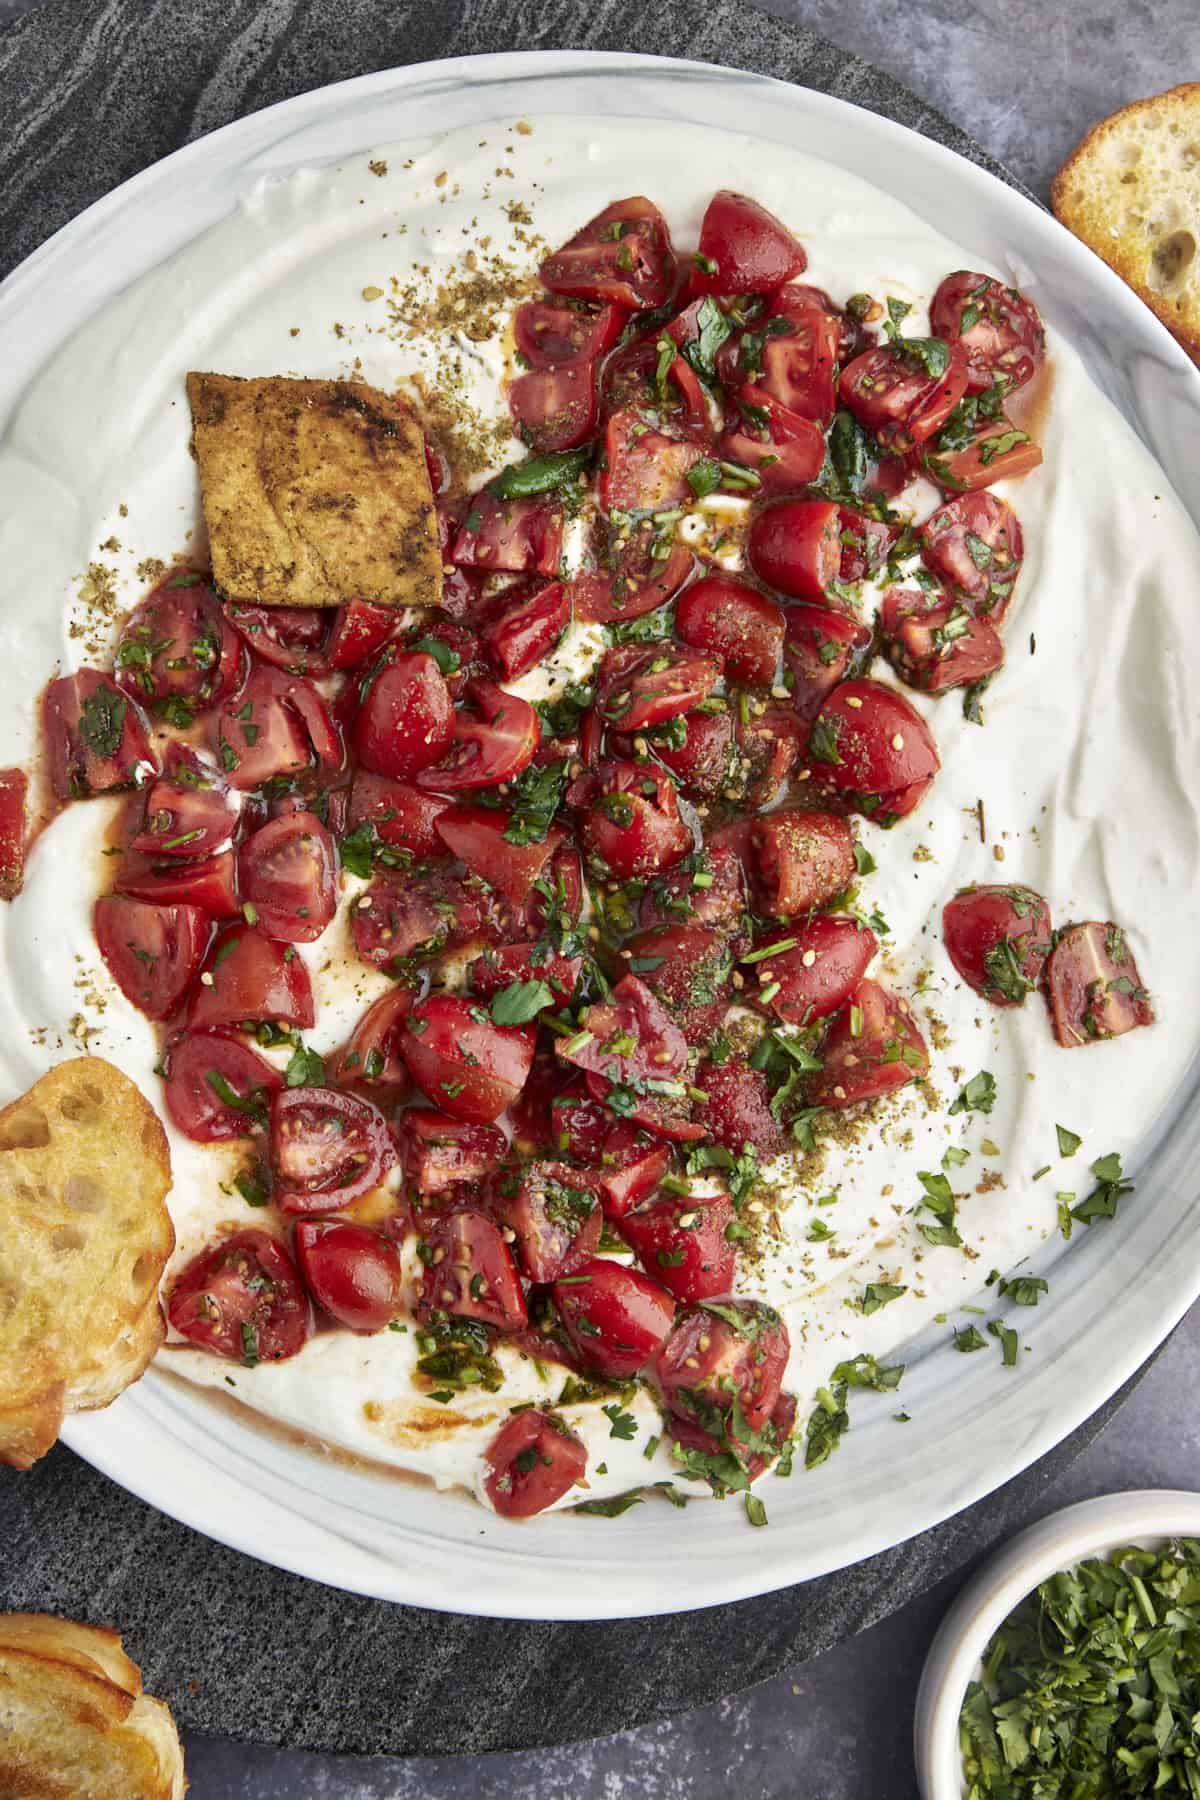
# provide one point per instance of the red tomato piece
(152, 952)
(996, 451)
(217, 1087)
(555, 409)
(622, 257)
(803, 858)
(470, 1067)
(400, 815)
(892, 393)
(406, 721)
(935, 644)
(616, 1318)
(558, 897)
(796, 546)
(469, 1271)
(631, 1042)
(187, 813)
(475, 834)
(871, 744)
(532, 1461)
(974, 543)
(289, 637)
(97, 738)
(288, 874)
(643, 685)
(786, 449)
(631, 1167)
(682, 1243)
(327, 1148)
(493, 744)
(407, 916)
(498, 968)
(999, 331)
(738, 1109)
(242, 1299)
(709, 1361)
(702, 763)
(631, 825)
(515, 537)
(360, 630)
(688, 968)
(873, 1046)
(210, 884)
(820, 645)
(744, 249)
(1093, 987)
(353, 1273)
(548, 336)
(998, 938)
(633, 582)
(720, 899)
(13, 783)
(526, 627)
(735, 623)
(801, 343)
(812, 968)
(370, 1056)
(177, 653)
(440, 1155)
(252, 978)
(866, 543)
(274, 725)
(645, 470)
(555, 1217)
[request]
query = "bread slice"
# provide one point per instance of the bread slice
(314, 492)
(84, 1237)
(1131, 191)
(74, 1722)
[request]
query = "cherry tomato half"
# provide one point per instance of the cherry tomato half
(327, 1148)
(218, 1087)
(242, 1299)
(811, 969)
(682, 1243)
(873, 1046)
(97, 738)
(623, 257)
(288, 874)
(350, 1271)
(467, 1066)
(152, 952)
(176, 652)
(617, 1319)
(868, 742)
(532, 1461)
(796, 546)
(744, 249)
(406, 721)
(802, 859)
(469, 1271)
(998, 938)
(494, 741)
(252, 978)
(999, 331)
(734, 622)
(1092, 985)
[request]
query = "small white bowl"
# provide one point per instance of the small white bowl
(1065, 1538)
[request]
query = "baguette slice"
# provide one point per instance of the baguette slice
(74, 1722)
(1131, 191)
(84, 1237)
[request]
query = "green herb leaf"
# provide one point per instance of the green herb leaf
(1068, 1141)
(979, 1094)
(540, 474)
(520, 1002)
(305, 1068)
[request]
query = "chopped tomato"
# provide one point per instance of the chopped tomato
(360, 630)
(682, 1243)
(870, 744)
(210, 884)
(152, 952)
(873, 1047)
(554, 1216)
(532, 1461)
(399, 815)
(645, 470)
(407, 916)
(744, 249)
(274, 725)
(617, 1319)
(974, 543)
(631, 1167)
(439, 1155)
(406, 721)
(688, 968)
(866, 543)
(370, 1056)
(252, 978)
(549, 336)
(291, 637)
(719, 898)
(622, 257)
(734, 622)
(476, 835)
(800, 344)
(498, 968)
(796, 546)
(492, 744)
(890, 390)
(515, 537)
(218, 1087)
(631, 1044)
(558, 897)
(97, 738)
(820, 644)
(698, 749)
(13, 783)
(809, 970)
(643, 685)
(176, 653)
(995, 451)
(526, 626)
(469, 1067)
(242, 1299)
(934, 643)
(1092, 985)
(998, 938)
(714, 1358)
(786, 449)
(327, 1148)
(631, 824)
(353, 1273)
(634, 582)
(188, 814)
(998, 330)
(288, 875)
(802, 859)
(737, 1111)
(555, 409)
(469, 1272)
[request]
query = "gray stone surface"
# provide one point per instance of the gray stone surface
(76, 115)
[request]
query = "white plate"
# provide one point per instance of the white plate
(1116, 1294)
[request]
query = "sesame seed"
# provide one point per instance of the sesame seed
(206, 979)
(898, 741)
(854, 701)
(809, 958)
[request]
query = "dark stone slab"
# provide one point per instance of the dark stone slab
(89, 94)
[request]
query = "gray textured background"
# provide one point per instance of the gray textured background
(1025, 80)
